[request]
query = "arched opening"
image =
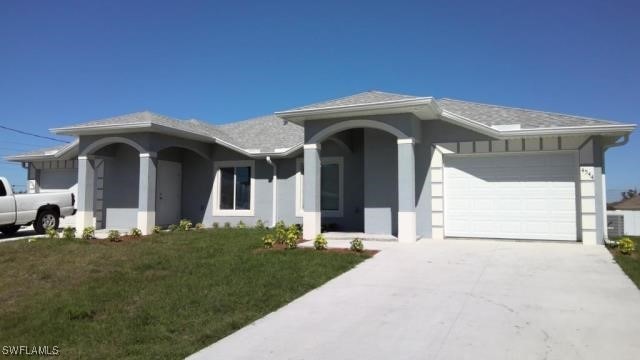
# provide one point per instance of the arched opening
(359, 177)
(116, 186)
(184, 177)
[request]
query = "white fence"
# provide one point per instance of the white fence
(631, 221)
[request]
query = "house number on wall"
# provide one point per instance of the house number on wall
(588, 173)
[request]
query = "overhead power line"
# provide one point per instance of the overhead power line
(32, 134)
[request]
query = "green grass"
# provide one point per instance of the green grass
(165, 296)
(630, 264)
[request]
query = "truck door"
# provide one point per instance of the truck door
(7, 206)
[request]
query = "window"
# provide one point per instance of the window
(234, 185)
(331, 187)
(3, 191)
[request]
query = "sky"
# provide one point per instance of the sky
(64, 62)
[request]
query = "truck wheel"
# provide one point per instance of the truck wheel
(46, 219)
(10, 230)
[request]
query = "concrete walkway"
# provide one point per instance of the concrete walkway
(456, 299)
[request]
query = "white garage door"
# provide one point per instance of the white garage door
(511, 196)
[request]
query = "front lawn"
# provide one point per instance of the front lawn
(630, 264)
(164, 296)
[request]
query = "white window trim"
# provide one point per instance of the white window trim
(217, 183)
(300, 188)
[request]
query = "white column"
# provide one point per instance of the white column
(406, 191)
(311, 219)
(86, 189)
(147, 193)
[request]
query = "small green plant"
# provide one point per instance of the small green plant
(135, 232)
(626, 245)
(241, 225)
(114, 236)
(52, 233)
(293, 231)
(173, 227)
(320, 243)
(280, 232)
(88, 233)
(268, 241)
(260, 225)
(357, 245)
(185, 225)
(69, 233)
(291, 242)
(227, 225)
(157, 229)
(216, 225)
(199, 226)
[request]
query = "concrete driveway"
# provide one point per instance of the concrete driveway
(456, 299)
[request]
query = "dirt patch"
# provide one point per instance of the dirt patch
(282, 247)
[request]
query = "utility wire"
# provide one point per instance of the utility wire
(32, 134)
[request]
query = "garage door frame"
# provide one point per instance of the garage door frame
(576, 180)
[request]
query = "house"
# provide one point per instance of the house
(623, 217)
(374, 162)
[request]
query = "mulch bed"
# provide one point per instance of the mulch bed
(283, 247)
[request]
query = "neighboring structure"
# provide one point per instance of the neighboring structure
(374, 162)
(624, 217)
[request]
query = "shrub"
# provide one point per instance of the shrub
(260, 225)
(227, 225)
(291, 242)
(280, 232)
(173, 227)
(88, 233)
(199, 226)
(268, 241)
(357, 245)
(52, 233)
(626, 245)
(135, 232)
(185, 225)
(294, 232)
(114, 235)
(69, 233)
(320, 243)
(157, 229)
(241, 225)
(216, 225)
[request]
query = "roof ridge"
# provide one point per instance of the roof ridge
(531, 110)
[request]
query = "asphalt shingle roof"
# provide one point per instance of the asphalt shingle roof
(491, 115)
(265, 133)
(369, 97)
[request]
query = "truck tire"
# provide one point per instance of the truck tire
(46, 219)
(10, 229)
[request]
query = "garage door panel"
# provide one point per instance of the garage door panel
(520, 196)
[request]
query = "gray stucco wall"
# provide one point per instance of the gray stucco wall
(121, 187)
(287, 190)
(380, 182)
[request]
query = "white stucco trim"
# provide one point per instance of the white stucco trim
(148, 155)
(84, 219)
(315, 146)
(311, 224)
(339, 160)
(406, 141)
(146, 221)
(407, 226)
(102, 142)
(355, 124)
(217, 183)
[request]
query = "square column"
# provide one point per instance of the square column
(86, 189)
(311, 219)
(406, 191)
(147, 193)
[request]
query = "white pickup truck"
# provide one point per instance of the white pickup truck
(42, 210)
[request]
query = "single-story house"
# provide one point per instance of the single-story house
(405, 166)
(624, 217)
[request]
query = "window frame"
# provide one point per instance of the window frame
(217, 184)
(338, 160)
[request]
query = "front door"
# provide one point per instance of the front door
(168, 193)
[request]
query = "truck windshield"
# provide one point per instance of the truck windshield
(3, 191)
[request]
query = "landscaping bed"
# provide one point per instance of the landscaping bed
(162, 296)
(630, 263)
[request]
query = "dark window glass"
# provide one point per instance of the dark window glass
(226, 188)
(330, 187)
(243, 188)
(3, 191)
